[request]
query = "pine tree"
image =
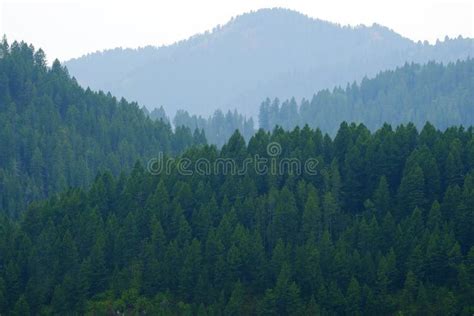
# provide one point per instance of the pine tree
(409, 293)
(285, 220)
(381, 197)
(264, 115)
(312, 220)
(330, 212)
(353, 297)
(98, 270)
(454, 166)
(201, 222)
(190, 270)
(236, 302)
(411, 190)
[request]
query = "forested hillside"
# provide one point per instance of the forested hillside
(385, 227)
(267, 53)
(436, 93)
(219, 127)
(55, 135)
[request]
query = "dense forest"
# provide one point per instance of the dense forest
(267, 53)
(157, 114)
(382, 225)
(218, 128)
(55, 135)
(440, 94)
(385, 227)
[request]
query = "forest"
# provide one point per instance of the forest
(385, 227)
(437, 93)
(219, 127)
(434, 92)
(54, 134)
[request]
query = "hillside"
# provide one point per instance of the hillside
(271, 52)
(55, 135)
(385, 227)
(440, 94)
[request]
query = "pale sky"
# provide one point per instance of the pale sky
(71, 28)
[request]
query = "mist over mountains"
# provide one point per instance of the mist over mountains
(357, 199)
(267, 53)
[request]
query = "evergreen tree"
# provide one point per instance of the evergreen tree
(411, 190)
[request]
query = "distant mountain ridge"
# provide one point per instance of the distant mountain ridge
(441, 94)
(267, 53)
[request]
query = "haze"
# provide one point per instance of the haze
(59, 27)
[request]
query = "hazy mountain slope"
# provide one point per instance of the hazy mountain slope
(440, 94)
(271, 52)
(55, 135)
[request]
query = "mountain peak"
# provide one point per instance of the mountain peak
(269, 52)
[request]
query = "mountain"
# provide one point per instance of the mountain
(270, 52)
(440, 94)
(55, 135)
(385, 227)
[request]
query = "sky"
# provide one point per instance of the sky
(71, 28)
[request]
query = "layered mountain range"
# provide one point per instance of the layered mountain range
(267, 53)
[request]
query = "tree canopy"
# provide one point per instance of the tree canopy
(55, 134)
(370, 233)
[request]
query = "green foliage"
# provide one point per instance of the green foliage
(55, 135)
(219, 127)
(440, 94)
(432, 92)
(259, 244)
